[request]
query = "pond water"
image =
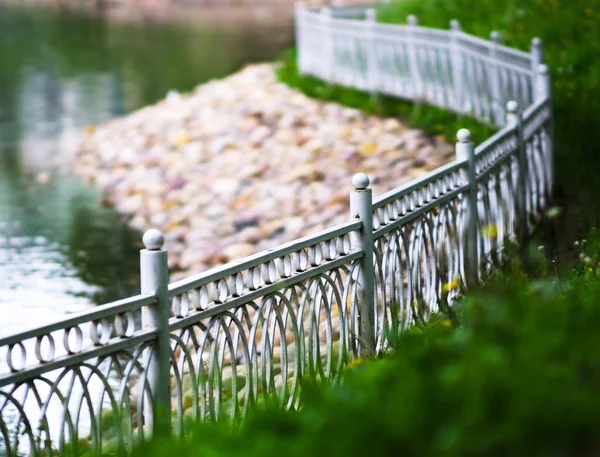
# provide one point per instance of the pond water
(61, 250)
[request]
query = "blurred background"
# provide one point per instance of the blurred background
(66, 65)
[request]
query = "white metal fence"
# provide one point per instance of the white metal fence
(212, 346)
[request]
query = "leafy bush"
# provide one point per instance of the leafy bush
(520, 376)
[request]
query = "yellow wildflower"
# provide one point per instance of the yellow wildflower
(453, 285)
(355, 363)
(491, 230)
(446, 323)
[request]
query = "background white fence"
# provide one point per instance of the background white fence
(212, 346)
(446, 68)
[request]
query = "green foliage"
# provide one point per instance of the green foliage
(518, 376)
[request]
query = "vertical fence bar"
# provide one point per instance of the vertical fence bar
(457, 64)
(543, 91)
(361, 207)
(413, 61)
(515, 118)
(537, 58)
(154, 278)
(326, 67)
(494, 78)
(542, 83)
(299, 11)
(372, 70)
(465, 150)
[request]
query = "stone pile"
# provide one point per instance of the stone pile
(245, 163)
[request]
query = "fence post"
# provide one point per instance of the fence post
(299, 10)
(496, 106)
(372, 73)
(543, 91)
(465, 150)
(542, 83)
(154, 279)
(515, 118)
(361, 207)
(326, 18)
(457, 64)
(537, 58)
(413, 61)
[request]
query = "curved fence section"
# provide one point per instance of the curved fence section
(215, 345)
(248, 332)
(78, 384)
(446, 68)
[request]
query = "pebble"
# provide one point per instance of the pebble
(245, 163)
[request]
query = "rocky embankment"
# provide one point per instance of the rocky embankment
(245, 163)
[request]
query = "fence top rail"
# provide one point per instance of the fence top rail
(532, 110)
(101, 312)
(350, 11)
(494, 139)
(260, 258)
(512, 52)
(418, 183)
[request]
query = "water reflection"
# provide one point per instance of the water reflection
(61, 250)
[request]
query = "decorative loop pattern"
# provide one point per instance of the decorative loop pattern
(286, 313)
(73, 340)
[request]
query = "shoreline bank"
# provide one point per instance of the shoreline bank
(270, 11)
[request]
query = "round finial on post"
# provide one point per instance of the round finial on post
(455, 25)
(464, 147)
(411, 19)
(495, 36)
(153, 240)
(542, 69)
(360, 181)
(537, 54)
(463, 136)
(371, 15)
(512, 107)
(512, 113)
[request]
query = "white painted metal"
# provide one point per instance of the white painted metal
(361, 207)
(465, 150)
(154, 279)
(450, 69)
